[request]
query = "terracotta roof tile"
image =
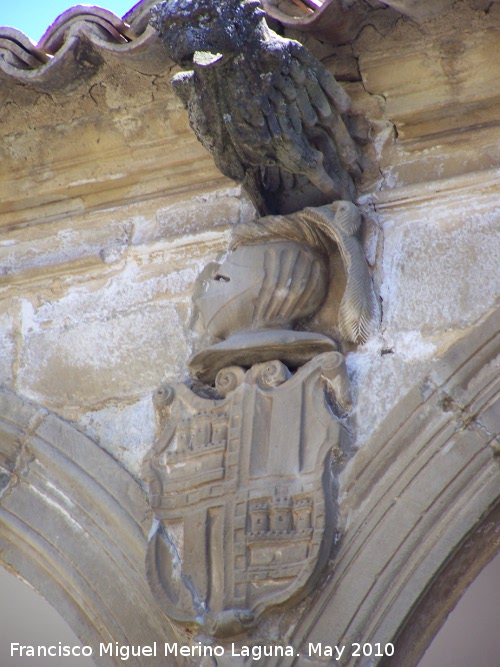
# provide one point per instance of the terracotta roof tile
(84, 37)
(338, 21)
(77, 44)
(322, 15)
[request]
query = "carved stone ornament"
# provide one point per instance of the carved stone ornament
(242, 477)
(276, 277)
(241, 493)
(266, 109)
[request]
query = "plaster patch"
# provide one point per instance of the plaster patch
(29, 323)
(411, 346)
(131, 289)
(129, 126)
(440, 273)
(92, 361)
(125, 431)
(144, 229)
(379, 381)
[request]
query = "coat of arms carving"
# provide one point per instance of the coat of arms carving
(241, 488)
(242, 477)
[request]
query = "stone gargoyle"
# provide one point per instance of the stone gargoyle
(242, 476)
(266, 109)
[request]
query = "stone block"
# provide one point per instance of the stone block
(205, 211)
(93, 360)
(439, 272)
(381, 375)
(125, 431)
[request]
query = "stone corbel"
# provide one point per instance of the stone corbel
(242, 478)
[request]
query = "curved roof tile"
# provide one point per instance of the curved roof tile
(323, 16)
(337, 21)
(77, 44)
(83, 37)
(111, 27)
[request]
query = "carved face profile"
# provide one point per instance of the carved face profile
(263, 286)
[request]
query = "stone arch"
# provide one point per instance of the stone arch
(74, 524)
(420, 502)
(431, 613)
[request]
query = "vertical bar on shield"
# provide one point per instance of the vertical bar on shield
(195, 565)
(216, 560)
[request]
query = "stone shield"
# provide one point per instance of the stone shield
(242, 492)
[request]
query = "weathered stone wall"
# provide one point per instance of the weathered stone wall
(437, 203)
(110, 210)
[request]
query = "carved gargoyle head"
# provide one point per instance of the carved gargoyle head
(217, 27)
